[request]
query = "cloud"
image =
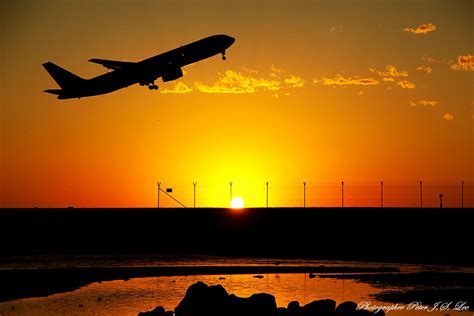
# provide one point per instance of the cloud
(341, 81)
(388, 79)
(448, 117)
(295, 81)
(422, 29)
(390, 71)
(431, 103)
(432, 60)
(465, 62)
(335, 28)
(405, 84)
(238, 83)
(426, 69)
(276, 72)
(179, 88)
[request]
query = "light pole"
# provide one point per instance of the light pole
(441, 200)
(194, 189)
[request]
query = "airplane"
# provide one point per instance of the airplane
(167, 66)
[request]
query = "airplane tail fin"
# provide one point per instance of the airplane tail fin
(63, 77)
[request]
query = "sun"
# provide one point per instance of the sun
(237, 203)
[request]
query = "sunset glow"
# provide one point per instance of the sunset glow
(311, 91)
(237, 203)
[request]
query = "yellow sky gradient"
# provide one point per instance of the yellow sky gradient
(315, 91)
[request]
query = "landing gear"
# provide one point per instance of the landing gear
(223, 55)
(152, 87)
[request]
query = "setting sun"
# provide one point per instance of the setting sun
(237, 203)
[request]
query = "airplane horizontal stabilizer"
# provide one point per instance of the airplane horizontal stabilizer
(112, 64)
(54, 91)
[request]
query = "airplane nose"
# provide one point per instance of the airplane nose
(230, 40)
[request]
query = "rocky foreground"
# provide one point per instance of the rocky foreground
(204, 300)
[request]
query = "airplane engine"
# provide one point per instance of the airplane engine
(172, 74)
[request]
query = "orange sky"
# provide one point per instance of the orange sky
(314, 91)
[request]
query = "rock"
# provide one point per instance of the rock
(203, 300)
(379, 313)
(312, 275)
(281, 311)
(261, 304)
(159, 311)
(294, 309)
(320, 308)
(363, 312)
(346, 309)
(258, 276)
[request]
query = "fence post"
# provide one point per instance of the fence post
(158, 184)
(342, 193)
(421, 194)
(381, 194)
(304, 194)
(230, 201)
(267, 194)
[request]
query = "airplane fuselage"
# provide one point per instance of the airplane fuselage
(166, 65)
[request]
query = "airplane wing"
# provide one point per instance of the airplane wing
(112, 64)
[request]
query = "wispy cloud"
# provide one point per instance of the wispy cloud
(295, 81)
(341, 81)
(248, 82)
(405, 84)
(335, 28)
(390, 71)
(426, 69)
(236, 82)
(179, 88)
(448, 117)
(465, 62)
(275, 71)
(431, 60)
(422, 29)
(431, 103)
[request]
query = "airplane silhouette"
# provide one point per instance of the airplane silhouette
(167, 66)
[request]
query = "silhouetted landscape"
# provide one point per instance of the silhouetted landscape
(394, 235)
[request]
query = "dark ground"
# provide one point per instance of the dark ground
(440, 236)
(431, 236)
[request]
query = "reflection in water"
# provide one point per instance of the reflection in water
(142, 294)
